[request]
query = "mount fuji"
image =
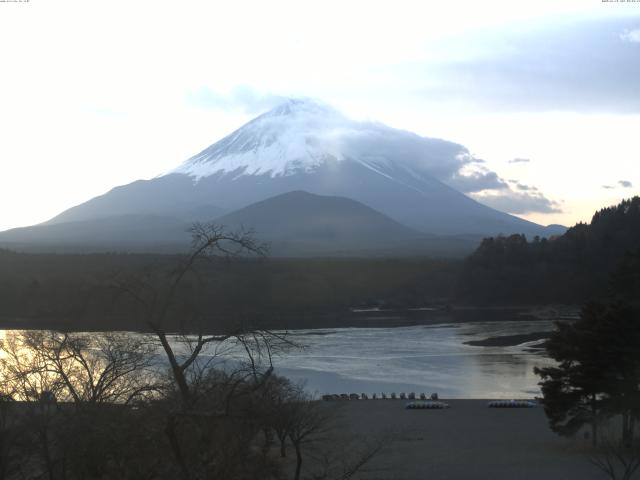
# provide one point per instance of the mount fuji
(299, 146)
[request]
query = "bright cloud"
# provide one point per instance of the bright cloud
(632, 36)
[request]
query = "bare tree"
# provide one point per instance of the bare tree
(309, 423)
(24, 374)
(312, 428)
(618, 460)
(159, 300)
(208, 419)
(280, 393)
(209, 398)
(83, 368)
(26, 377)
(9, 433)
(44, 369)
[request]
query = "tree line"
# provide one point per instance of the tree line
(76, 291)
(596, 380)
(571, 268)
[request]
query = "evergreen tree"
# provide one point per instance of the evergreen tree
(598, 372)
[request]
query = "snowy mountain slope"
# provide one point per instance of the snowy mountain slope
(301, 136)
(305, 145)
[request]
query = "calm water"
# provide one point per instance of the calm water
(408, 359)
(419, 359)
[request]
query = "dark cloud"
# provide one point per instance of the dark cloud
(455, 166)
(487, 187)
(241, 98)
(621, 183)
(584, 66)
(477, 181)
(526, 188)
(518, 202)
(519, 160)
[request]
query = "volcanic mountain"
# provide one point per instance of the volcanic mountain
(301, 145)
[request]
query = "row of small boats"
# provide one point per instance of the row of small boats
(493, 404)
(382, 396)
(422, 402)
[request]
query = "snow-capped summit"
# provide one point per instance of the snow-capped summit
(295, 135)
(303, 135)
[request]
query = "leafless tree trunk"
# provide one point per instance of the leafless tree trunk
(156, 301)
(616, 459)
(161, 302)
(308, 423)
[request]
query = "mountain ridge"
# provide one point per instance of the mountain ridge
(303, 145)
(293, 224)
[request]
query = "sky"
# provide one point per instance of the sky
(545, 95)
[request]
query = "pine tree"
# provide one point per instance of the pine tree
(598, 372)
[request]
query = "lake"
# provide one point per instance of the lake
(417, 359)
(425, 358)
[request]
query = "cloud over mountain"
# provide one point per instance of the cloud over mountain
(477, 181)
(305, 145)
(519, 202)
(242, 98)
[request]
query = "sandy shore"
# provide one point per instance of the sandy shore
(466, 441)
(509, 340)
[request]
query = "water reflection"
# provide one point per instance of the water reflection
(419, 358)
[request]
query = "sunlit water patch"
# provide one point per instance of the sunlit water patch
(416, 359)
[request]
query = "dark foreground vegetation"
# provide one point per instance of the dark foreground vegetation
(100, 406)
(116, 406)
(596, 384)
(596, 380)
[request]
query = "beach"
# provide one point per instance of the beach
(466, 441)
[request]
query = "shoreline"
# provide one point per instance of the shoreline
(350, 318)
(510, 340)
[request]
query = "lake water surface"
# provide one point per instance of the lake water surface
(419, 359)
(425, 358)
